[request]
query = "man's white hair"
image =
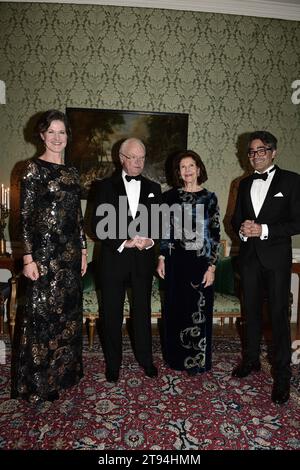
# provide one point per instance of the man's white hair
(130, 141)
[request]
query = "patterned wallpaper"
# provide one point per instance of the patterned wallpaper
(231, 74)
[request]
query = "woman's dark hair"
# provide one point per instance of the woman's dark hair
(266, 137)
(199, 163)
(49, 116)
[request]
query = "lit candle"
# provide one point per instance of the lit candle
(5, 198)
(8, 199)
(2, 194)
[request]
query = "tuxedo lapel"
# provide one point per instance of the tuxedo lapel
(144, 191)
(119, 184)
(119, 188)
(249, 205)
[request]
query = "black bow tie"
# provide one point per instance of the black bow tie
(129, 178)
(262, 176)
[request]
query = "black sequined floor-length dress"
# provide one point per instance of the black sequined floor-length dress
(49, 357)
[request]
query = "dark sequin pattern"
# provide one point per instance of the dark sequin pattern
(50, 353)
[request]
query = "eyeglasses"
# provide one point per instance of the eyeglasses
(133, 158)
(261, 152)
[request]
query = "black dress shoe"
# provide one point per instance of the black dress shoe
(245, 368)
(112, 375)
(52, 396)
(281, 392)
(192, 372)
(151, 371)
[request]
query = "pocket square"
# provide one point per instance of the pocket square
(151, 195)
(278, 195)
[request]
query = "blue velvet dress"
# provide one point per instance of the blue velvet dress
(188, 306)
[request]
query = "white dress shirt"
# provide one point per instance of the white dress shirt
(258, 194)
(133, 189)
(259, 190)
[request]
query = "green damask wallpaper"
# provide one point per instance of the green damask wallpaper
(231, 74)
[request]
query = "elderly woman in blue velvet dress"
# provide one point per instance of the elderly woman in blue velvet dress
(188, 267)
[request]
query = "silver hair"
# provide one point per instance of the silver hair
(131, 140)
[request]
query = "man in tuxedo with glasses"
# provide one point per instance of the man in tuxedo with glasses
(266, 215)
(126, 259)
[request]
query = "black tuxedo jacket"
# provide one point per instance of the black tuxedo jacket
(280, 211)
(108, 191)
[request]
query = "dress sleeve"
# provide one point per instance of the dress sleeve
(28, 204)
(80, 221)
(214, 228)
(82, 236)
(164, 246)
(167, 227)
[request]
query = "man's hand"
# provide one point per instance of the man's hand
(143, 243)
(138, 242)
(250, 229)
(130, 243)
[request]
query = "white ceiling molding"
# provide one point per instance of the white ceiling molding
(281, 9)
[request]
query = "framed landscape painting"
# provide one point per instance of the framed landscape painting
(98, 133)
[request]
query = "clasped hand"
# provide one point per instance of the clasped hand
(138, 242)
(249, 228)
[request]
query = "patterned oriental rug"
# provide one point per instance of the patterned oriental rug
(172, 412)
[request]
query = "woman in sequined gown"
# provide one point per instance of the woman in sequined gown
(188, 268)
(49, 356)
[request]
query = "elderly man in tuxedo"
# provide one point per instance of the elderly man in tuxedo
(127, 257)
(267, 214)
